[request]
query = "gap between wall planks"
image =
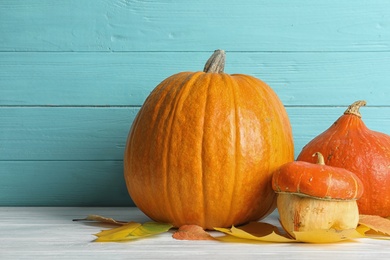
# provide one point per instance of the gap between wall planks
(73, 75)
(99, 134)
(73, 157)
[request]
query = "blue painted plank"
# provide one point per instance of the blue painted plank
(64, 133)
(253, 25)
(91, 79)
(63, 183)
(76, 160)
(100, 133)
(74, 73)
(308, 122)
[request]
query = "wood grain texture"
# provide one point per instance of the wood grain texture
(73, 75)
(73, 156)
(90, 79)
(49, 233)
(64, 133)
(77, 134)
(63, 183)
(252, 25)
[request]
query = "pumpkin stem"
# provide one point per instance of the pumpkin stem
(216, 63)
(354, 108)
(320, 158)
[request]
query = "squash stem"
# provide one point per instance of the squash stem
(320, 158)
(216, 63)
(354, 108)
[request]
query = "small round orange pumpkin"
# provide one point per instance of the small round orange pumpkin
(349, 144)
(203, 147)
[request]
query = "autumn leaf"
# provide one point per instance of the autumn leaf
(131, 231)
(192, 232)
(116, 233)
(254, 232)
(327, 235)
(258, 231)
(97, 218)
(268, 233)
(380, 225)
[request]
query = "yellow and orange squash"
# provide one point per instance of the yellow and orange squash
(349, 144)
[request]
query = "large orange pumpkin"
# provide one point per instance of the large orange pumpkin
(203, 147)
(349, 144)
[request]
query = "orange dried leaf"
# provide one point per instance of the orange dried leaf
(97, 218)
(376, 223)
(191, 232)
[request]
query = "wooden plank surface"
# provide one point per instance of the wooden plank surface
(72, 156)
(76, 134)
(252, 25)
(62, 133)
(91, 79)
(73, 75)
(49, 233)
(63, 183)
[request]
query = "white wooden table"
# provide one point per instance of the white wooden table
(50, 233)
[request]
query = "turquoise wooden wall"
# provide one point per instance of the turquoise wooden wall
(73, 75)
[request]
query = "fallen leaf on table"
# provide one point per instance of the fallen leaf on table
(254, 232)
(115, 233)
(131, 231)
(376, 223)
(327, 235)
(192, 232)
(268, 233)
(258, 231)
(97, 218)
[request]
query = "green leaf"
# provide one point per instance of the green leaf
(132, 231)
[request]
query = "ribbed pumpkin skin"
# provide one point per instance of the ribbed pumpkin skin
(317, 181)
(203, 147)
(349, 144)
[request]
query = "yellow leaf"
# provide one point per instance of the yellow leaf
(327, 235)
(116, 234)
(132, 231)
(150, 228)
(265, 232)
(258, 231)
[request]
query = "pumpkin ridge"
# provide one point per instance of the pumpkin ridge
(174, 199)
(129, 153)
(162, 122)
(162, 96)
(233, 86)
(267, 91)
(204, 184)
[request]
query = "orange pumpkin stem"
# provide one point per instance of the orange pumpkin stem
(320, 158)
(216, 63)
(354, 108)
